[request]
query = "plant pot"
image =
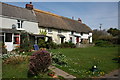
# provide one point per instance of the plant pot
(51, 74)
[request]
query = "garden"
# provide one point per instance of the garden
(89, 62)
(75, 61)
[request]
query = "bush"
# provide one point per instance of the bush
(41, 43)
(12, 59)
(26, 44)
(51, 45)
(102, 43)
(59, 59)
(4, 50)
(67, 45)
(39, 62)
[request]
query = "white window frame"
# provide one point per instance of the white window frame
(19, 22)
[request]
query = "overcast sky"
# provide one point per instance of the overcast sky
(91, 13)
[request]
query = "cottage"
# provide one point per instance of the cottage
(63, 29)
(15, 19)
(58, 28)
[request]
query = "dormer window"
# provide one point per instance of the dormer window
(19, 22)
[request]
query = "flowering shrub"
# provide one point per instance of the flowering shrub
(59, 59)
(39, 62)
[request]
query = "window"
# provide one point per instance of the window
(49, 30)
(72, 32)
(8, 37)
(81, 33)
(19, 22)
(70, 39)
(16, 38)
(59, 31)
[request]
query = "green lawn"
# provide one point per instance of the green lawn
(15, 71)
(19, 71)
(81, 60)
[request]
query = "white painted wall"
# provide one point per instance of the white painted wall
(90, 34)
(85, 36)
(31, 27)
(54, 35)
(7, 23)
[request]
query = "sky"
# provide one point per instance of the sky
(91, 13)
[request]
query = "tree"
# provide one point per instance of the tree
(114, 31)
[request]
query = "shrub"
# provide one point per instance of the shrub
(26, 44)
(41, 43)
(59, 59)
(102, 43)
(39, 62)
(106, 37)
(15, 59)
(51, 45)
(67, 45)
(4, 50)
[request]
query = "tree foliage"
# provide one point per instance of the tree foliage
(25, 43)
(114, 31)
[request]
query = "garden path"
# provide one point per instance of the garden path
(61, 72)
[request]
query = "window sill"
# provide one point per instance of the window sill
(20, 29)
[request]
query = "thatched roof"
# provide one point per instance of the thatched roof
(17, 12)
(47, 19)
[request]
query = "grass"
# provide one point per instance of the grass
(15, 71)
(81, 60)
(19, 71)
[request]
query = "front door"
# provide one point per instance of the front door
(62, 40)
(8, 41)
(77, 39)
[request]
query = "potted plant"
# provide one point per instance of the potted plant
(51, 74)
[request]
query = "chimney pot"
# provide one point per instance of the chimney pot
(30, 2)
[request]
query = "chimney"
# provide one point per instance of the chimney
(79, 20)
(29, 6)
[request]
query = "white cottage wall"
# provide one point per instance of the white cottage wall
(29, 26)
